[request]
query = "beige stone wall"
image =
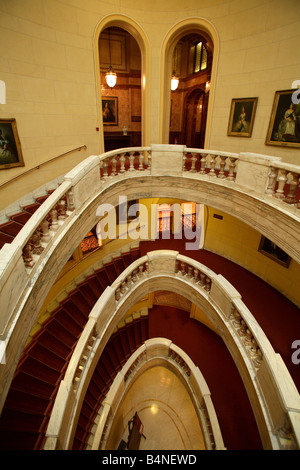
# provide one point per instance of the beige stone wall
(48, 64)
(233, 239)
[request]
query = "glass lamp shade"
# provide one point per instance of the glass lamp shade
(174, 83)
(111, 78)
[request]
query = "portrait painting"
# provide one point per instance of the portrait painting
(110, 110)
(284, 125)
(241, 117)
(10, 147)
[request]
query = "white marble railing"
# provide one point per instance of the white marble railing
(234, 182)
(274, 398)
(131, 159)
(159, 351)
(278, 179)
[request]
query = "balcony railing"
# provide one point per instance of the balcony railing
(272, 393)
(255, 181)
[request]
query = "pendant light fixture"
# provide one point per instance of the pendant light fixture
(174, 82)
(174, 79)
(111, 76)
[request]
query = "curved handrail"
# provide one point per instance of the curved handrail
(37, 167)
(162, 352)
(272, 393)
(42, 246)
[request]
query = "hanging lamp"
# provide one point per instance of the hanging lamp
(174, 82)
(111, 76)
(174, 79)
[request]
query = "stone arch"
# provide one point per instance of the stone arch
(163, 353)
(224, 307)
(129, 25)
(207, 29)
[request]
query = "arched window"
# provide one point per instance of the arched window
(199, 57)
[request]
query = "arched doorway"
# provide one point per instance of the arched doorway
(195, 109)
(121, 104)
(187, 36)
(192, 59)
(134, 43)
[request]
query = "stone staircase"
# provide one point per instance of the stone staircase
(28, 406)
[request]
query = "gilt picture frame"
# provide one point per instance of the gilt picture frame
(241, 118)
(110, 110)
(10, 146)
(284, 125)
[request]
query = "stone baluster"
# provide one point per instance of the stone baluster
(207, 283)
(118, 293)
(232, 165)
(131, 161)
(189, 273)
(203, 163)
(129, 281)
(183, 162)
(182, 270)
(272, 180)
(70, 200)
(113, 166)
(193, 163)
(212, 165)
(148, 160)
(122, 162)
(141, 270)
(27, 257)
(123, 287)
(196, 272)
(45, 231)
(141, 161)
(54, 221)
(282, 179)
(61, 207)
(105, 170)
(222, 167)
(36, 247)
(134, 275)
(202, 280)
(291, 197)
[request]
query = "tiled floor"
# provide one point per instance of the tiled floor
(166, 411)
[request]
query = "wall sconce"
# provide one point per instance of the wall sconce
(207, 87)
(111, 76)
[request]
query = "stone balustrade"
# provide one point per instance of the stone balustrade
(273, 395)
(188, 268)
(22, 260)
(281, 177)
(29, 265)
(159, 351)
(131, 159)
(222, 165)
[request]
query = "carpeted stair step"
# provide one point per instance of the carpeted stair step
(45, 359)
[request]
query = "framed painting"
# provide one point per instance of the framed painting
(241, 117)
(122, 211)
(269, 249)
(284, 125)
(10, 146)
(110, 110)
